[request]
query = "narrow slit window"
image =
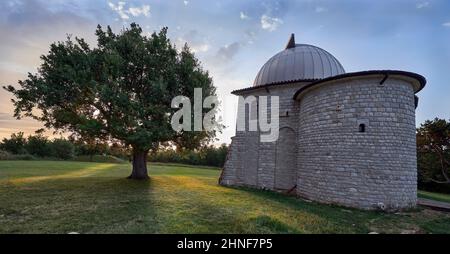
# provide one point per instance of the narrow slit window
(362, 128)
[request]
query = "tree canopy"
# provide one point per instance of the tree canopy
(433, 150)
(120, 91)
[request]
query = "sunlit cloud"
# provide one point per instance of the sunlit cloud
(270, 23)
(138, 11)
(124, 13)
(119, 9)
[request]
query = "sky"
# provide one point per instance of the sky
(233, 39)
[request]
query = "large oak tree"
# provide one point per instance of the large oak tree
(119, 91)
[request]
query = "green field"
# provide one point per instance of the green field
(63, 197)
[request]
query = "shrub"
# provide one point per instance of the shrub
(15, 144)
(23, 157)
(39, 146)
(90, 147)
(62, 149)
(216, 156)
(4, 156)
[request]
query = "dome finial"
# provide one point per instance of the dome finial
(291, 42)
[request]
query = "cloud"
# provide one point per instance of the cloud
(243, 16)
(124, 13)
(270, 23)
(227, 52)
(195, 40)
(27, 30)
(185, 2)
(446, 24)
(138, 11)
(320, 9)
(422, 5)
(119, 9)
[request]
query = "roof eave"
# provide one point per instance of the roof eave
(252, 88)
(419, 78)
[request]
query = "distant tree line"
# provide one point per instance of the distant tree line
(22, 148)
(19, 147)
(206, 156)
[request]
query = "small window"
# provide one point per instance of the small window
(362, 128)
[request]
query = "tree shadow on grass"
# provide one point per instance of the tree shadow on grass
(83, 205)
(267, 224)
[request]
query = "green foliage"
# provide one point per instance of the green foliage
(15, 144)
(215, 156)
(119, 91)
(63, 149)
(23, 157)
(433, 152)
(39, 146)
(119, 151)
(90, 147)
(4, 155)
(207, 156)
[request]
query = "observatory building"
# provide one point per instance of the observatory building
(344, 138)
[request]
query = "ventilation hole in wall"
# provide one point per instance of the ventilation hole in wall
(362, 128)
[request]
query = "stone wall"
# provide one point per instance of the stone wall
(247, 153)
(339, 164)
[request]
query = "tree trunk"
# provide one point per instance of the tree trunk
(139, 165)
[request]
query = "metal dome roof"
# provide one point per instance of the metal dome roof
(298, 62)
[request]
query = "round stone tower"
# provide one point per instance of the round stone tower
(357, 144)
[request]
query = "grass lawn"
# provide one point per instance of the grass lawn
(63, 197)
(435, 196)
